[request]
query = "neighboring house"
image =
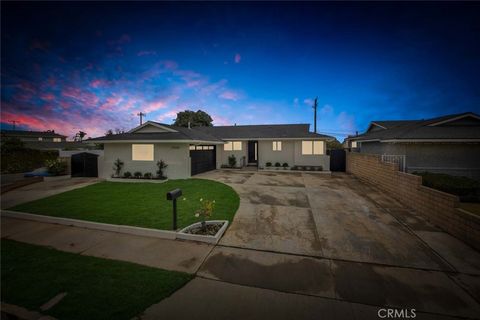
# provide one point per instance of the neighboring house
(448, 144)
(43, 140)
(188, 151)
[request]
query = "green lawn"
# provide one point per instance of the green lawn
(137, 204)
(96, 288)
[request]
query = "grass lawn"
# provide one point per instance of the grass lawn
(472, 207)
(138, 204)
(96, 288)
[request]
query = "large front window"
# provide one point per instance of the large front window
(142, 152)
(312, 147)
(277, 145)
(233, 146)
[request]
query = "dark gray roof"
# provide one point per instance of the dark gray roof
(47, 145)
(217, 134)
(266, 131)
(31, 133)
(423, 129)
(181, 134)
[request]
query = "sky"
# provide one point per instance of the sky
(93, 66)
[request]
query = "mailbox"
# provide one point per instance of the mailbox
(174, 194)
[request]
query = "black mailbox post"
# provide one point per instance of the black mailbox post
(173, 195)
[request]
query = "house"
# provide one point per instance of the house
(42, 140)
(449, 144)
(189, 151)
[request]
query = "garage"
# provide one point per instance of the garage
(203, 159)
(84, 164)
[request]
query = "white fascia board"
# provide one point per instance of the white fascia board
(149, 123)
(430, 140)
(161, 141)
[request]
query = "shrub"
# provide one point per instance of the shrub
(16, 158)
(285, 165)
(117, 167)
(232, 161)
(277, 164)
(127, 174)
(268, 164)
(56, 167)
(161, 165)
(147, 175)
(467, 189)
(137, 174)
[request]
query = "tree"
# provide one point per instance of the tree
(196, 119)
(80, 135)
(334, 145)
(109, 132)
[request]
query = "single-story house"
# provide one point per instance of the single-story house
(448, 144)
(43, 140)
(189, 151)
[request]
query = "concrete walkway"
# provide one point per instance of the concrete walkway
(159, 253)
(43, 189)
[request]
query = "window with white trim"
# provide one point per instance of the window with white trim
(40, 139)
(57, 139)
(354, 144)
(312, 147)
(277, 145)
(142, 152)
(233, 146)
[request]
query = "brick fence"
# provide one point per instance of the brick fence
(438, 207)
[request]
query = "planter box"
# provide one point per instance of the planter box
(136, 180)
(203, 238)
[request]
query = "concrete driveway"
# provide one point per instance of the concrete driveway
(331, 237)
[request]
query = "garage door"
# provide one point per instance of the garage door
(84, 165)
(203, 158)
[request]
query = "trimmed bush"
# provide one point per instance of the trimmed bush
(285, 165)
(147, 175)
(277, 164)
(232, 161)
(268, 164)
(127, 174)
(137, 174)
(467, 189)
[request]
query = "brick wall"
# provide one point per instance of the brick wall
(438, 207)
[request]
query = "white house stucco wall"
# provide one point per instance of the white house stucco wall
(311, 160)
(222, 155)
(175, 155)
(266, 153)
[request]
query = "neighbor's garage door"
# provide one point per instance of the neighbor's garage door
(203, 158)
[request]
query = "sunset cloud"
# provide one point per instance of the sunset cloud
(237, 58)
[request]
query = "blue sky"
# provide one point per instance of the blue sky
(93, 66)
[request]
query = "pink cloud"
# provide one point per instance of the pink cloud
(229, 95)
(221, 121)
(48, 96)
(98, 83)
(111, 103)
(88, 99)
(237, 58)
(159, 104)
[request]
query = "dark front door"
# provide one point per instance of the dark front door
(203, 159)
(84, 165)
(252, 152)
(337, 160)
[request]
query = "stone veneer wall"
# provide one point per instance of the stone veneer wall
(438, 207)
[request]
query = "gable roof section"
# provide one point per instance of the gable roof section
(418, 130)
(272, 131)
(161, 127)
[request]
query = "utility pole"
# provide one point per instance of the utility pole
(14, 122)
(141, 115)
(315, 115)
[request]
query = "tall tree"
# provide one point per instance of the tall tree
(197, 119)
(80, 135)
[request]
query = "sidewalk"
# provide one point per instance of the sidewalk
(174, 255)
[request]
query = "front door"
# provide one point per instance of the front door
(252, 152)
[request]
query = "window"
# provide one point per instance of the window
(312, 147)
(142, 152)
(233, 146)
(57, 139)
(40, 139)
(354, 144)
(192, 147)
(277, 146)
